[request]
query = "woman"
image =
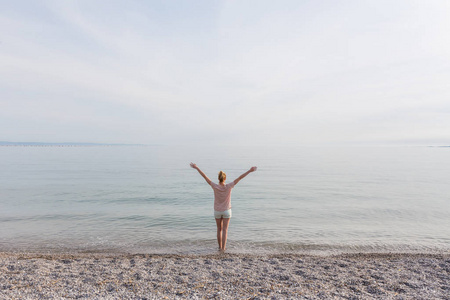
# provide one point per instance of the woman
(222, 203)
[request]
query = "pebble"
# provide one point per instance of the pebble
(224, 276)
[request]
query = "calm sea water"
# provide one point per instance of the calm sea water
(148, 200)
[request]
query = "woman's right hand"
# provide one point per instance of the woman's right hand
(253, 169)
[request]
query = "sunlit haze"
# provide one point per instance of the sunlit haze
(220, 72)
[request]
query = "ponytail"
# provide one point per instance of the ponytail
(222, 176)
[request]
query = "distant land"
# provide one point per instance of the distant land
(39, 144)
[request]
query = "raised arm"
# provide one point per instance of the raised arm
(252, 169)
(201, 173)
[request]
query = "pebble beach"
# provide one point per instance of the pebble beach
(224, 276)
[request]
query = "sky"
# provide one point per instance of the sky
(226, 72)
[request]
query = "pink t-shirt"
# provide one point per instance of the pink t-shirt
(222, 196)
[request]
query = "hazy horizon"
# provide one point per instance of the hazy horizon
(266, 146)
(225, 72)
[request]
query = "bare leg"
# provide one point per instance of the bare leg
(226, 222)
(219, 232)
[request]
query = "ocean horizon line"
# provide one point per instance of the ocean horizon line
(91, 144)
(66, 144)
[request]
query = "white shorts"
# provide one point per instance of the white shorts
(222, 214)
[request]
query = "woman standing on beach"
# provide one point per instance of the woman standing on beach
(222, 202)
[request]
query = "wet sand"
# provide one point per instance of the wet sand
(225, 276)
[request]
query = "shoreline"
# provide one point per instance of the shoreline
(225, 276)
(117, 254)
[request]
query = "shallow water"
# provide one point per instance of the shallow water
(148, 200)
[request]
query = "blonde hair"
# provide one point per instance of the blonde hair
(222, 176)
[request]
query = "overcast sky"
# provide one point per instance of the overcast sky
(177, 72)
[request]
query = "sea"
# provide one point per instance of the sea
(147, 199)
